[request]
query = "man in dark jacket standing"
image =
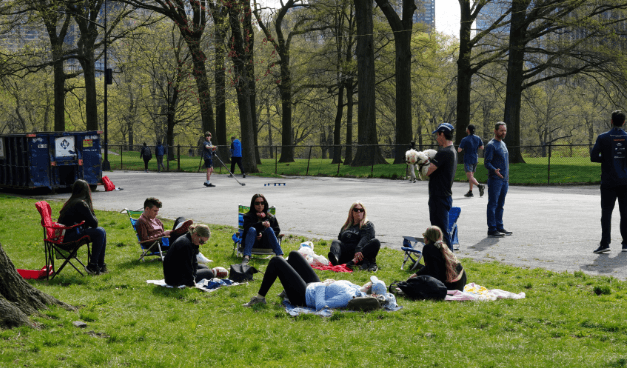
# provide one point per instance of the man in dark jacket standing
(441, 174)
(609, 150)
(236, 156)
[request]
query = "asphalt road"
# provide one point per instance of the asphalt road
(555, 228)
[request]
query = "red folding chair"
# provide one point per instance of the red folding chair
(54, 245)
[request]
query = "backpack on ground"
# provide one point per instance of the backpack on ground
(422, 287)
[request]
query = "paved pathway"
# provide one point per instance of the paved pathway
(554, 227)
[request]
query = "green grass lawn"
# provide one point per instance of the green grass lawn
(564, 170)
(566, 320)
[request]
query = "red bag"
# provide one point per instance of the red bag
(33, 274)
(107, 184)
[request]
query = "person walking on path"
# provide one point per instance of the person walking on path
(145, 154)
(496, 160)
(441, 173)
(470, 144)
(160, 151)
(236, 156)
(207, 154)
(609, 150)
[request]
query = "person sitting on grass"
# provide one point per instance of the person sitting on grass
(260, 228)
(356, 244)
(180, 265)
(302, 286)
(440, 262)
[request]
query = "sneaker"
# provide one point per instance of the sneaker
(624, 248)
(103, 268)
(508, 233)
(350, 265)
(495, 234)
(230, 175)
(602, 249)
(182, 229)
(372, 267)
(92, 269)
(205, 184)
(469, 194)
(481, 189)
(210, 185)
(244, 175)
(333, 259)
(283, 294)
(255, 300)
(455, 246)
(245, 260)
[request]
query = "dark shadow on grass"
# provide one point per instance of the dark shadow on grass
(605, 263)
(485, 244)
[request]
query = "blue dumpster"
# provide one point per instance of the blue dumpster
(50, 159)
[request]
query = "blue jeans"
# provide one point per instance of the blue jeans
(439, 208)
(98, 237)
(497, 190)
(608, 201)
(268, 238)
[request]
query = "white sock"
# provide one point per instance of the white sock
(261, 296)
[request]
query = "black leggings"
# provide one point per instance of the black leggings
(146, 164)
(203, 272)
(294, 274)
(346, 252)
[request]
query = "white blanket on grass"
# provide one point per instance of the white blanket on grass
(204, 284)
(473, 291)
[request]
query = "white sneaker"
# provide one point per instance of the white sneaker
(202, 259)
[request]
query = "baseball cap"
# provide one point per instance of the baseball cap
(378, 286)
(443, 128)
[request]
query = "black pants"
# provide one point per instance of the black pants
(346, 252)
(439, 208)
(203, 272)
(294, 274)
(146, 163)
(608, 201)
(238, 161)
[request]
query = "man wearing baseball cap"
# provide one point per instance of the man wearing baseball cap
(441, 174)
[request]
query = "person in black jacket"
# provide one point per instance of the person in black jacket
(440, 262)
(260, 228)
(146, 154)
(180, 266)
(356, 244)
(79, 208)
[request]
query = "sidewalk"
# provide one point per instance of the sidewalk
(555, 228)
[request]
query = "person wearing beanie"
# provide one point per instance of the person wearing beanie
(180, 266)
(470, 145)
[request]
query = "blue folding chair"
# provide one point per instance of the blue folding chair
(149, 248)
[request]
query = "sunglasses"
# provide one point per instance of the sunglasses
(358, 210)
(256, 203)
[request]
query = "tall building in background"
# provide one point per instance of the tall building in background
(425, 13)
(490, 13)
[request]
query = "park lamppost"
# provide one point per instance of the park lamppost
(108, 79)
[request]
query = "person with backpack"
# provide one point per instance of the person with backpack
(160, 151)
(146, 154)
(440, 262)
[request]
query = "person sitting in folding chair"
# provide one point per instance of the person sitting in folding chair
(150, 228)
(77, 209)
(440, 262)
(356, 244)
(260, 228)
(180, 265)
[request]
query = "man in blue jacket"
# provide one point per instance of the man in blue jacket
(496, 160)
(609, 150)
(236, 156)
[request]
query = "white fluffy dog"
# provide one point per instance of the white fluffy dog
(419, 161)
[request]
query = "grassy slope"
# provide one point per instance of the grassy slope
(562, 322)
(564, 170)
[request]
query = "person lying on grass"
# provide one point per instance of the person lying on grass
(440, 262)
(302, 286)
(180, 264)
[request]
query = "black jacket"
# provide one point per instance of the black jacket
(356, 237)
(77, 213)
(180, 264)
(251, 220)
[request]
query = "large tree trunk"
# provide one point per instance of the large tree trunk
(219, 12)
(249, 159)
(249, 47)
(368, 152)
(464, 74)
(402, 43)
(91, 97)
(337, 129)
(514, 86)
(350, 90)
(202, 85)
(18, 299)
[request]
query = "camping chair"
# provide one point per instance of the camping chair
(410, 243)
(238, 237)
(149, 248)
(54, 245)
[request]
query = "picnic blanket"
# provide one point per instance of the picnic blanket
(294, 311)
(338, 268)
(204, 284)
(473, 291)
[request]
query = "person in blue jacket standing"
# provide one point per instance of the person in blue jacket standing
(236, 156)
(160, 152)
(609, 150)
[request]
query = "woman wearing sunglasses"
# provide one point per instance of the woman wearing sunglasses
(180, 266)
(260, 228)
(356, 244)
